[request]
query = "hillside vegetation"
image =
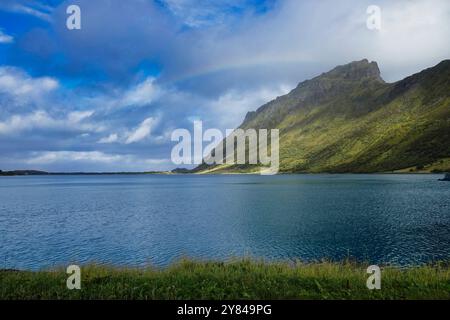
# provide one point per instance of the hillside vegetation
(350, 120)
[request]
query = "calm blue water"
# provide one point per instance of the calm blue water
(136, 220)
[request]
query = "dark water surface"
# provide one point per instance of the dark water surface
(135, 220)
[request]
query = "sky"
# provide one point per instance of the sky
(108, 96)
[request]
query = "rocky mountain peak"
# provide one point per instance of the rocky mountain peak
(357, 70)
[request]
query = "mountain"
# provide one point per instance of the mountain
(350, 120)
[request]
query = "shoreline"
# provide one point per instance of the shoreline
(8, 174)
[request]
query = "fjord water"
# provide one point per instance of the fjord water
(135, 220)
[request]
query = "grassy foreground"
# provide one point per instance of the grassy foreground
(242, 279)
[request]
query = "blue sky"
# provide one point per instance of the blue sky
(108, 96)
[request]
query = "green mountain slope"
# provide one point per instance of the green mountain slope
(350, 120)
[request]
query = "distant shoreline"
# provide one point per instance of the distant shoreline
(15, 173)
(44, 173)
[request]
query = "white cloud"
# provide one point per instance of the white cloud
(141, 132)
(42, 120)
(18, 123)
(412, 37)
(5, 38)
(113, 137)
(322, 34)
(76, 117)
(87, 160)
(30, 7)
(90, 156)
(229, 110)
(142, 94)
(197, 14)
(22, 88)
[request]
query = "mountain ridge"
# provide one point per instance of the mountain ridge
(350, 120)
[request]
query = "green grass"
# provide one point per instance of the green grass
(243, 279)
